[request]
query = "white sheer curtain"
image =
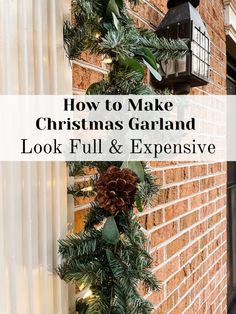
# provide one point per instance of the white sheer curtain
(33, 205)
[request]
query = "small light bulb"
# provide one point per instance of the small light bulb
(88, 189)
(87, 294)
(97, 35)
(100, 225)
(107, 60)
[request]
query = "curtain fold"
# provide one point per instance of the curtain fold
(33, 200)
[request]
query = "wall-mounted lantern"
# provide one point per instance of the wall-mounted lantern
(184, 21)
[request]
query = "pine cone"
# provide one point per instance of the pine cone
(116, 189)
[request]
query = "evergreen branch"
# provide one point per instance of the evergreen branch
(82, 274)
(98, 303)
(148, 188)
(80, 244)
(163, 48)
(95, 216)
(127, 283)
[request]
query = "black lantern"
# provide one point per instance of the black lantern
(184, 21)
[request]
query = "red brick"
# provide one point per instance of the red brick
(189, 188)
(158, 177)
(198, 171)
(189, 252)
(82, 77)
(175, 281)
(167, 269)
(172, 300)
(157, 257)
(198, 230)
(176, 175)
(163, 233)
(213, 168)
(156, 297)
(198, 200)
(179, 309)
(152, 219)
(207, 183)
(177, 244)
(176, 210)
(189, 220)
(214, 219)
(165, 195)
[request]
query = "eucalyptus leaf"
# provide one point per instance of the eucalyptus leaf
(120, 3)
(151, 62)
(138, 203)
(116, 21)
(132, 64)
(154, 72)
(110, 231)
(136, 167)
(149, 57)
(112, 7)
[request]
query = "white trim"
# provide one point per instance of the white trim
(230, 18)
(90, 66)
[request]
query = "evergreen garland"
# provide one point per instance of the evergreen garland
(109, 258)
(103, 27)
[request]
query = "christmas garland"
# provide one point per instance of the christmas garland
(108, 261)
(108, 258)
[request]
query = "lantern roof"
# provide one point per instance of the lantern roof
(182, 11)
(174, 3)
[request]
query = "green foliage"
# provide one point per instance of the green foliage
(95, 216)
(109, 257)
(103, 27)
(112, 273)
(147, 188)
(110, 231)
(136, 167)
(162, 48)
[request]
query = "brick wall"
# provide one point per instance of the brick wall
(186, 224)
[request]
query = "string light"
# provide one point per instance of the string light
(97, 35)
(107, 60)
(87, 189)
(85, 293)
(100, 225)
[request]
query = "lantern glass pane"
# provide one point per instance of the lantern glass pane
(168, 67)
(181, 65)
(202, 68)
(195, 65)
(200, 53)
